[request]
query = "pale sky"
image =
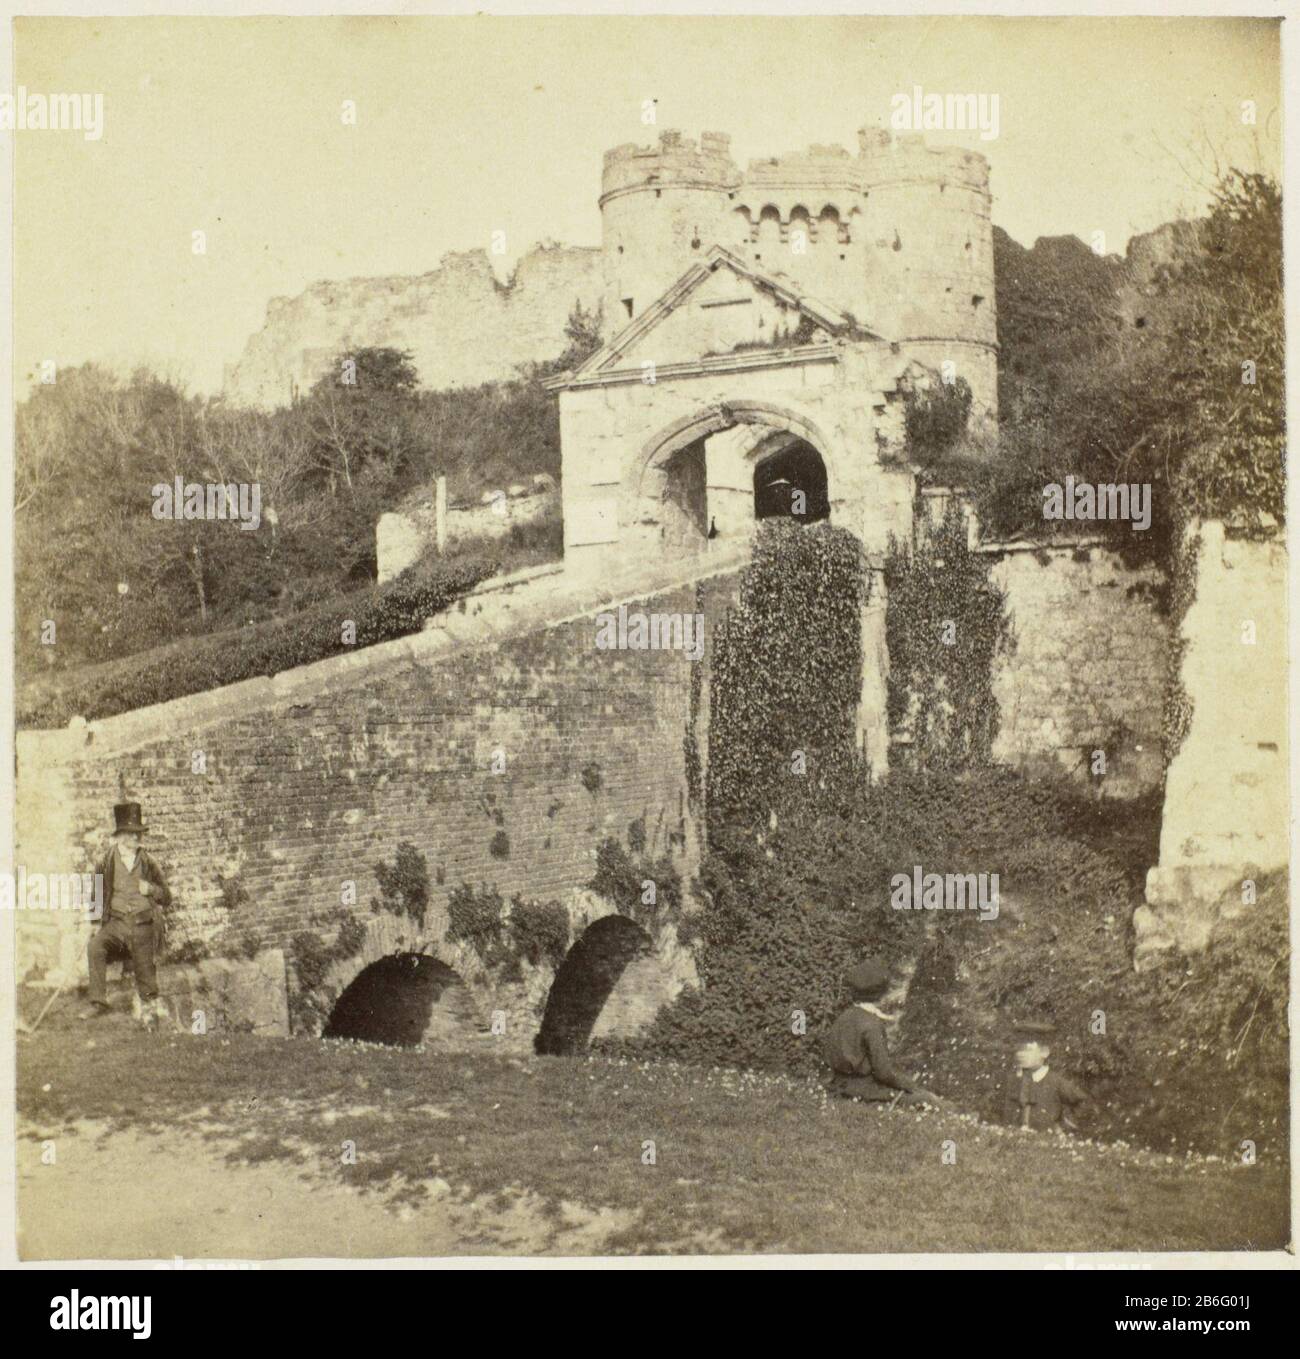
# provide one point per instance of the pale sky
(470, 126)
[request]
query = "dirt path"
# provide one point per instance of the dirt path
(128, 1194)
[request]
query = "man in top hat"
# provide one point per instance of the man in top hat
(1039, 1097)
(857, 1051)
(135, 897)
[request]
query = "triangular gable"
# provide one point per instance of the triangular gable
(783, 291)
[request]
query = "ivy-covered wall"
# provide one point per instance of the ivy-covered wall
(1052, 660)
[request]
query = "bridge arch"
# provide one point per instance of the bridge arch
(403, 999)
(585, 981)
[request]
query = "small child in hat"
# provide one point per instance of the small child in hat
(856, 1049)
(1039, 1097)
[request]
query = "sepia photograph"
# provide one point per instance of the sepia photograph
(647, 636)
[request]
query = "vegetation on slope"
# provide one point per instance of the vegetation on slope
(741, 1161)
(1165, 368)
(113, 580)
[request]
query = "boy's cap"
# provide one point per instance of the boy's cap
(868, 980)
(1033, 1028)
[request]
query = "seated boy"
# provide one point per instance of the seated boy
(1039, 1097)
(856, 1049)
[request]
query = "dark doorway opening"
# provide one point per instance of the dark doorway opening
(791, 484)
(584, 982)
(402, 1000)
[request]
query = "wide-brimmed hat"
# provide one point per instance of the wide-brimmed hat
(126, 817)
(868, 981)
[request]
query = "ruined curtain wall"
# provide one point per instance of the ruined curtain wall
(462, 326)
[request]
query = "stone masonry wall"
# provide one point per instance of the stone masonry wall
(403, 535)
(266, 798)
(1226, 816)
(1089, 669)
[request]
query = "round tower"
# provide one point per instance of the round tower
(930, 283)
(661, 208)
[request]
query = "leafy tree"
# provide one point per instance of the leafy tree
(1140, 371)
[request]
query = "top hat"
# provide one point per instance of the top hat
(126, 817)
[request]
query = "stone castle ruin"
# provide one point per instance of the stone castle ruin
(761, 331)
(897, 238)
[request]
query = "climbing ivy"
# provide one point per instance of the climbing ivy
(474, 917)
(1176, 716)
(787, 674)
(540, 930)
(690, 742)
(935, 418)
(312, 958)
(536, 932)
(946, 622)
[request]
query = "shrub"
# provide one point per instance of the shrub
(248, 944)
(787, 673)
(404, 887)
(788, 908)
(945, 623)
(201, 663)
(622, 877)
(189, 951)
(935, 419)
(475, 917)
(540, 931)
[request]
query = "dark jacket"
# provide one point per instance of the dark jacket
(855, 1046)
(1042, 1104)
(152, 874)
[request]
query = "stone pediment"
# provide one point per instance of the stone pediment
(721, 313)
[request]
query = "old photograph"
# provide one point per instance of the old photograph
(648, 636)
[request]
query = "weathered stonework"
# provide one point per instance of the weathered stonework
(316, 775)
(1226, 810)
(462, 326)
(1089, 669)
(898, 236)
(404, 534)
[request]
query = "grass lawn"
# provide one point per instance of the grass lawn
(741, 1162)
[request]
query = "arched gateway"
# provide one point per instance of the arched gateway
(731, 398)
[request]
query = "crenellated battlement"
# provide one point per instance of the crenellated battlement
(674, 161)
(886, 158)
(898, 235)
